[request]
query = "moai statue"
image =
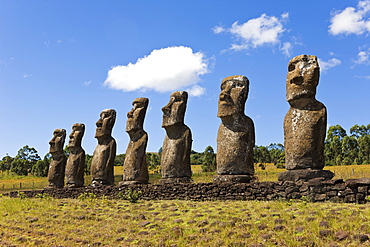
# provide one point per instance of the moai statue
(175, 159)
(105, 152)
(135, 169)
(236, 136)
(57, 165)
(305, 123)
(76, 161)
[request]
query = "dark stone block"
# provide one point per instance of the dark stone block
(305, 175)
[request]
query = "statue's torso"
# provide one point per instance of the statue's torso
(235, 149)
(304, 135)
(75, 168)
(57, 171)
(103, 161)
(135, 167)
(175, 159)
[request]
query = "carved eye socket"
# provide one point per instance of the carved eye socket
(291, 67)
(239, 84)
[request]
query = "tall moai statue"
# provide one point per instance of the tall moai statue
(76, 161)
(175, 159)
(135, 169)
(57, 165)
(305, 123)
(105, 152)
(236, 135)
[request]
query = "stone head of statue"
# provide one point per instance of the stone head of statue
(57, 142)
(303, 77)
(135, 117)
(174, 111)
(234, 93)
(105, 123)
(75, 138)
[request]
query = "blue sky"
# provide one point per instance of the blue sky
(63, 62)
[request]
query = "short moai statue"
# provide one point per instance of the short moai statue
(236, 135)
(76, 161)
(305, 123)
(175, 158)
(58, 161)
(135, 169)
(102, 170)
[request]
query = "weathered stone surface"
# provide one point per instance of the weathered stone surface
(58, 159)
(135, 169)
(304, 175)
(236, 135)
(74, 174)
(305, 122)
(357, 182)
(105, 152)
(175, 160)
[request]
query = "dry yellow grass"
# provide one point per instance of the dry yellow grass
(270, 173)
(104, 222)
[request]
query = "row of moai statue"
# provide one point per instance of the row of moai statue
(304, 135)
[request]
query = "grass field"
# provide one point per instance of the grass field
(270, 173)
(91, 221)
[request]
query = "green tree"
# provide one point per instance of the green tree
(195, 158)
(41, 168)
(350, 150)
(153, 161)
(362, 134)
(6, 162)
(261, 154)
(88, 159)
(24, 160)
(277, 154)
(119, 160)
(333, 145)
(208, 160)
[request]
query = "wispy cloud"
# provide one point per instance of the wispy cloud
(164, 70)
(363, 76)
(351, 20)
(264, 30)
(3, 63)
(324, 66)
(363, 57)
(87, 83)
(27, 75)
(287, 49)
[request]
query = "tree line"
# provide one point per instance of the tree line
(340, 149)
(347, 149)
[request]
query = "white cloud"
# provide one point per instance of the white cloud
(351, 20)
(218, 29)
(86, 83)
(26, 75)
(363, 76)
(363, 57)
(195, 90)
(287, 49)
(164, 70)
(329, 64)
(256, 32)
